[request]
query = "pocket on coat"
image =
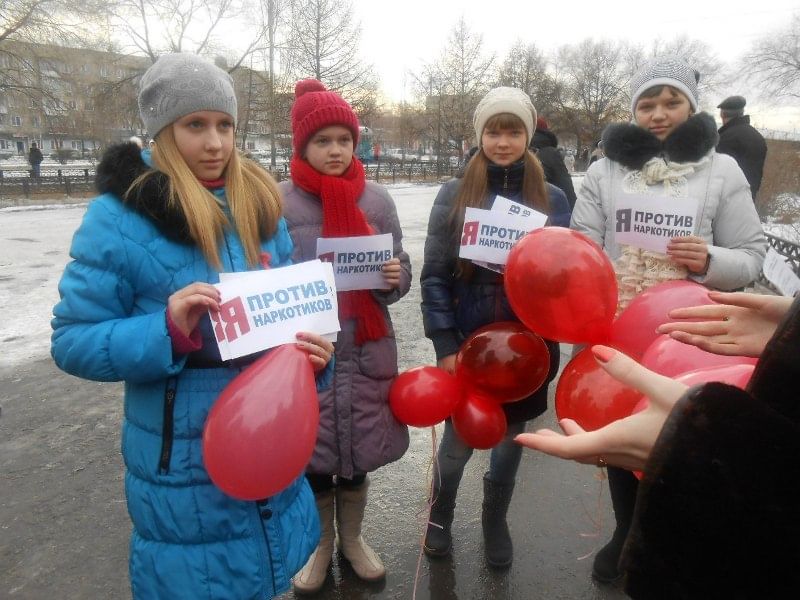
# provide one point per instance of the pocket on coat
(378, 359)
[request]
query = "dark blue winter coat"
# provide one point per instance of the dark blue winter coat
(453, 307)
(189, 539)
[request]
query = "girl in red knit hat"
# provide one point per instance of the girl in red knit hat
(328, 196)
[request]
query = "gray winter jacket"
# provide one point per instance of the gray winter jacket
(726, 216)
(357, 430)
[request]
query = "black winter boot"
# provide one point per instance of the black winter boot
(496, 537)
(438, 540)
(623, 486)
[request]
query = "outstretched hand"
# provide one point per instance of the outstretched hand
(740, 324)
(624, 443)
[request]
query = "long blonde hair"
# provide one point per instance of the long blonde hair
(474, 189)
(251, 193)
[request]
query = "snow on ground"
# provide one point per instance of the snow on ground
(34, 249)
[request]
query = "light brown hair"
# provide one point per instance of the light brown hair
(251, 193)
(474, 189)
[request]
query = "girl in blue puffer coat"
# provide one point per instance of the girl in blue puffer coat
(459, 297)
(133, 308)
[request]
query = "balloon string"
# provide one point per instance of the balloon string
(433, 467)
(596, 516)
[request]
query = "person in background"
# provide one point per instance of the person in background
(134, 308)
(667, 152)
(597, 153)
(716, 513)
(742, 141)
(328, 196)
(545, 145)
(35, 159)
(459, 297)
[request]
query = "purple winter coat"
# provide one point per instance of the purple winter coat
(357, 430)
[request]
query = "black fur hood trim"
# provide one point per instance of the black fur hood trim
(120, 166)
(632, 146)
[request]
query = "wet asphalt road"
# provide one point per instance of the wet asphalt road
(64, 527)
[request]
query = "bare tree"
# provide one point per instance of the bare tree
(773, 62)
(525, 67)
(452, 87)
(591, 84)
(152, 27)
(39, 21)
(326, 47)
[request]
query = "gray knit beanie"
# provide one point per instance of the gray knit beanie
(179, 84)
(666, 70)
(505, 100)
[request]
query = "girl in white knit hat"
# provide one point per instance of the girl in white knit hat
(459, 297)
(667, 156)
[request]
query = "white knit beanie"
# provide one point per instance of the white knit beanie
(665, 70)
(505, 100)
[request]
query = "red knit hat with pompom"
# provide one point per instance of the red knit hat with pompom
(314, 108)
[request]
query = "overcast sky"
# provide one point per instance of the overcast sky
(399, 37)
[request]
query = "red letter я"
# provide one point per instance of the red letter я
(470, 236)
(326, 257)
(233, 313)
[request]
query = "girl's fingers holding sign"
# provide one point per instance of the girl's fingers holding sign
(391, 270)
(319, 349)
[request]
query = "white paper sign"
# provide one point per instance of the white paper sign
(650, 221)
(357, 260)
(264, 309)
(489, 235)
(509, 207)
(778, 272)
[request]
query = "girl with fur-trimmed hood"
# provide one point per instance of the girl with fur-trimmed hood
(668, 151)
(134, 304)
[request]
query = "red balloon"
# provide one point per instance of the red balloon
(503, 360)
(261, 431)
(635, 328)
(590, 396)
(737, 375)
(670, 357)
(424, 396)
(479, 422)
(562, 286)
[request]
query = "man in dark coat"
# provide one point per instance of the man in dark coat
(545, 145)
(741, 140)
(35, 158)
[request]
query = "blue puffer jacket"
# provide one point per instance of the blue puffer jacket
(454, 307)
(189, 539)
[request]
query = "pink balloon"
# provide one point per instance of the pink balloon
(635, 328)
(670, 357)
(737, 375)
(261, 431)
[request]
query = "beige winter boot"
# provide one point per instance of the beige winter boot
(350, 504)
(311, 577)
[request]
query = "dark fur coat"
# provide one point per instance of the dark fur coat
(120, 166)
(718, 510)
(632, 146)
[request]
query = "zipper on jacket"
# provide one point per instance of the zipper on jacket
(259, 506)
(505, 181)
(167, 430)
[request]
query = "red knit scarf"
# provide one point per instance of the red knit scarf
(341, 217)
